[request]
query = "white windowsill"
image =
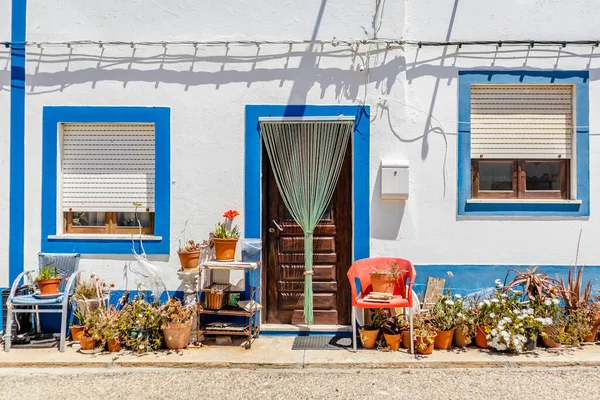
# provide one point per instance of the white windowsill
(522, 201)
(104, 237)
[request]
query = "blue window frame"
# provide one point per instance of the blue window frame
(577, 208)
(160, 117)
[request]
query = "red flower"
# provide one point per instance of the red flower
(231, 214)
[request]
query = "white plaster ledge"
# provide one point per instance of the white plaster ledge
(522, 201)
(149, 238)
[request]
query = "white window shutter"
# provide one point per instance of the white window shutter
(521, 121)
(107, 167)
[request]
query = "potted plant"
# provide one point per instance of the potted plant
(225, 237)
(90, 294)
(443, 319)
(189, 254)
(140, 323)
(465, 323)
(176, 324)
(425, 335)
(90, 338)
(549, 311)
(593, 317)
(517, 330)
(384, 280)
(486, 313)
(370, 332)
(578, 299)
(536, 286)
(109, 330)
(77, 330)
(392, 329)
(48, 280)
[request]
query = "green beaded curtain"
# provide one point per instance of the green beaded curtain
(306, 158)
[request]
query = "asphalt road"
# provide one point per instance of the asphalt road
(506, 383)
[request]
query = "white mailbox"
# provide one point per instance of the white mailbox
(394, 179)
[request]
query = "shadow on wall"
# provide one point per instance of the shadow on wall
(386, 215)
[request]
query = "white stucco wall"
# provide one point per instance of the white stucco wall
(207, 92)
(5, 26)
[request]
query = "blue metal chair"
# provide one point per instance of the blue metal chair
(67, 265)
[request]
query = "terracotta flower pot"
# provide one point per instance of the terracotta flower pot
(420, 340)
(443, 340)
(369, 338)
(76, 332)
(177, 336)
(49, 286)
(406, 339)
(189, 260)
(460, 339)
(594, 332)
(547, 341)
(225, 249)
(393, 341)
(87, 343)
(114, 345)
(383, 283)
(480, 338)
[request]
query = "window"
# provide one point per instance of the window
(520, 179)
(521, 141)
(106, 168)
(96, 162)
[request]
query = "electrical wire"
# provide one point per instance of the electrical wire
(334, 42)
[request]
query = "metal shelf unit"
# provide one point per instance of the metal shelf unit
(251, 328)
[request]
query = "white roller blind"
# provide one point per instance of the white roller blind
(521, 121)
(107, 167)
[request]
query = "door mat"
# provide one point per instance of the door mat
(322, 343)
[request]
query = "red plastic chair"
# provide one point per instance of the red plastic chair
(359, 275)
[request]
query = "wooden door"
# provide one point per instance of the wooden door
(284, 255)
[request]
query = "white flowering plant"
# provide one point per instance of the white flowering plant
(515, 329)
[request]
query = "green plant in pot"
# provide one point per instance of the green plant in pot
(392, 328)
(106, 329)
(578, 300)
(140, 323)
(444, 319)
(48, 280)
(370, 332)
(425, 335)
(90, 339)
(77, 330)
(90, 294)
(176, 323)
(465, 322)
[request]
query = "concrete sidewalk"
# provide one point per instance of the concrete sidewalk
(276, 352)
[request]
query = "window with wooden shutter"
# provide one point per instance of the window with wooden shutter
(522, 140)
(106, 169)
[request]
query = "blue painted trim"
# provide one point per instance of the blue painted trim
(471, 278)
(161, 117)
(360, 158)
(17, 140)
(581, 81)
